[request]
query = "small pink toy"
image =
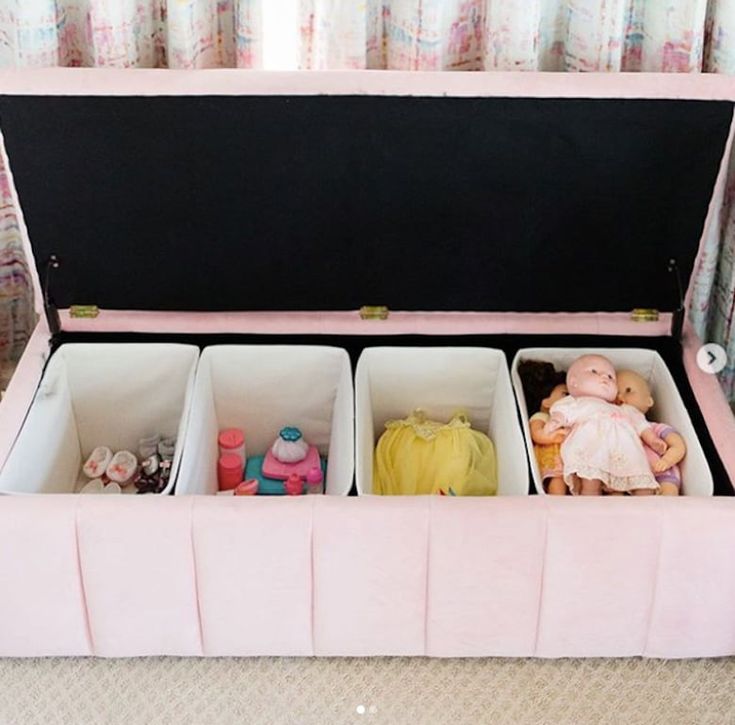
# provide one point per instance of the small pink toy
(314, 480)
(315, 475)
(604, 449)
(247, 488)
(290, 454)
(294, 485)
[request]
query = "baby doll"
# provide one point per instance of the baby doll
(544, 386)
(604, 448)
(633, 392)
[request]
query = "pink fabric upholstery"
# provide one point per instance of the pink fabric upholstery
(695, 568)
(599, 576)
(374, 576)
(137, 565)
(350, 323)
(253, 568)
(712, 402)
(42, 604)
(370, 565)
(485, 573)
(215, 82)
(22, 388)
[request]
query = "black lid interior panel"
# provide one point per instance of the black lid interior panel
(334, 202)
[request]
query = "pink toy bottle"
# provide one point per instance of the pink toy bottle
(229, 471)
(232, 441)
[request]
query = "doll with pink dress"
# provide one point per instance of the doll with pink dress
(604, 449)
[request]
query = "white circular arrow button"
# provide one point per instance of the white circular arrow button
(712, 358)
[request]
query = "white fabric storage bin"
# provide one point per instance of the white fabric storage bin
(669, 407)
(391, 382)
(262, 388)
(100, 395)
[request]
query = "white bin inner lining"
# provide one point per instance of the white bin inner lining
(669, 407)
(99, 394)
(393, 381)
(262, 388)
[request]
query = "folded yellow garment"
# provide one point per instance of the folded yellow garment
(419, 456)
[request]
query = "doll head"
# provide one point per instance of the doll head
(542, 384)
(592, 376)
(634, 390)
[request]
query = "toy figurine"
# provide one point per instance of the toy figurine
(544, 386)
(604, 448)
(289, 454)
(290, 446)
(294, 485)
(634, 392)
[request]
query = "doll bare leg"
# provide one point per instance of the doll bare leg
(669, 489)
(556, 486)
(644, 491)
(591, 487)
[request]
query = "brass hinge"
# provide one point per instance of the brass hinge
(374, 312)
(87, 311)
(644, 314)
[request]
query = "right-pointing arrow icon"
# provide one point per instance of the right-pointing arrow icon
(712, 358)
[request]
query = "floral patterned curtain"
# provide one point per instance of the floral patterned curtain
(686, 36)
(539, 35)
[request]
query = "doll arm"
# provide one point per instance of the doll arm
(541, 438)
(562, 415)
(643, 429)
(654, 442)
(675, 453)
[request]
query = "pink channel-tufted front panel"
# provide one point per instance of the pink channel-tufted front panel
(513, 576)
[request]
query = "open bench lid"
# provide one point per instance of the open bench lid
(257, 191)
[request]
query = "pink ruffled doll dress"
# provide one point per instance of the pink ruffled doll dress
(604, 444)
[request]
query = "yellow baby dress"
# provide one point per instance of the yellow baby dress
(419, 456)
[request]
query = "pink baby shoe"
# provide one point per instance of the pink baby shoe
(97, 462)
(122, 468)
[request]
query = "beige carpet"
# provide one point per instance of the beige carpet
(395, 691)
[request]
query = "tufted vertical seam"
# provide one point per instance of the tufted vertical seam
(195, 574)
(85, 604)
(542, 577)
(654, 588)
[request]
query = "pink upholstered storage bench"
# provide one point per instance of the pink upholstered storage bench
(517, 211)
